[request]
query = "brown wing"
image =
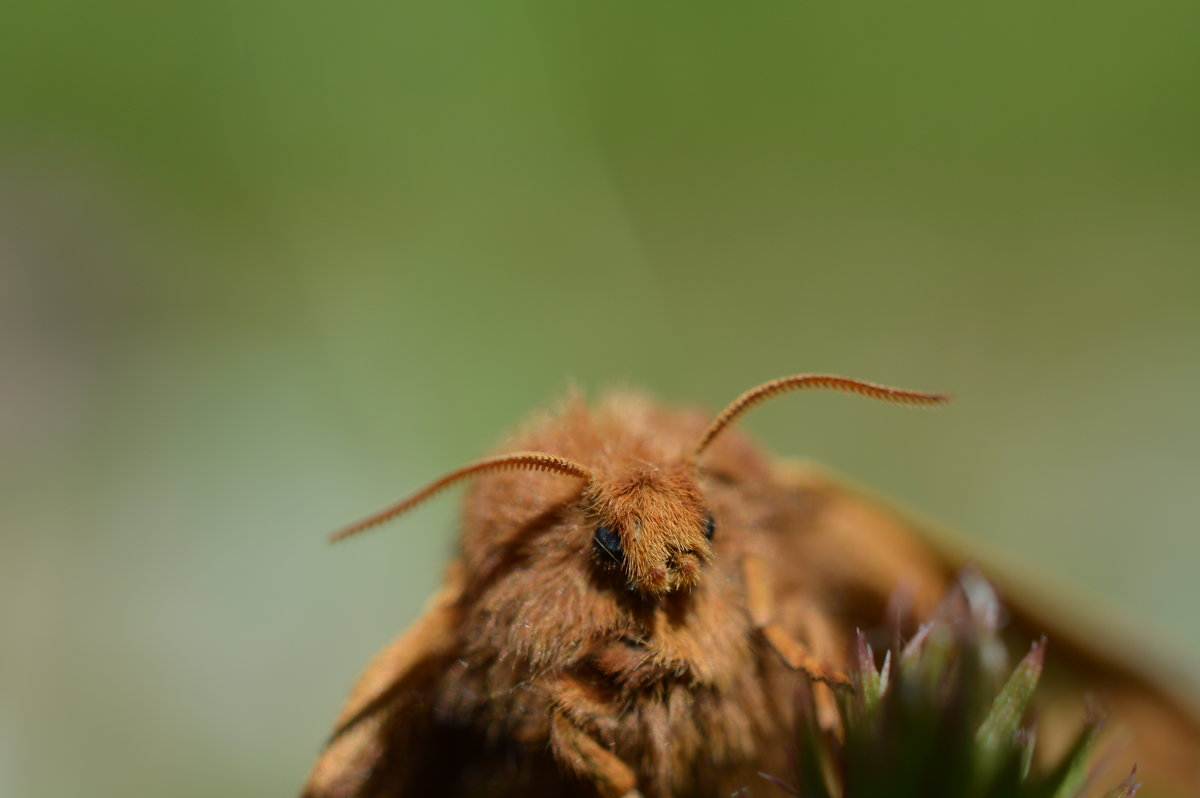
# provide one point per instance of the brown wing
(379, 736)
(1154, 715)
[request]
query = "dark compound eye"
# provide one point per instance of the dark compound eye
(710, 526)
(607, 544)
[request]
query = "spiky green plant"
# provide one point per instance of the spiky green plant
(928, 721)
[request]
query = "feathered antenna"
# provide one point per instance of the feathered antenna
(531, 461)
(801, 382)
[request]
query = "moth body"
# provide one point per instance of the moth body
(630, 613)
(647, 651)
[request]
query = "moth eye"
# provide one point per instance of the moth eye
(607, 543)
(710, 526)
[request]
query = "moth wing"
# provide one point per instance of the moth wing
(377, 737)
(1153, 705)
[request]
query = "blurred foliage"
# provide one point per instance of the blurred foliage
(265, 266)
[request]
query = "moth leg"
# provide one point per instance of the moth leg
(586, 757)
(819, 631)
(760, 601)
(583, 707)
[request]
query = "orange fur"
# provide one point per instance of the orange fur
(551, 666)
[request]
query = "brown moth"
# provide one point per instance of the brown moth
(637, 596)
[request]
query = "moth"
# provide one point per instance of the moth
(637, 595)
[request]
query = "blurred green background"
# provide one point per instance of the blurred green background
(265, 267)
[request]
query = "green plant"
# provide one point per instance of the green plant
(929, 720)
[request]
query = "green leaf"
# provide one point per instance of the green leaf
(1069, 778)
(1000, 726)
(869, 683)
